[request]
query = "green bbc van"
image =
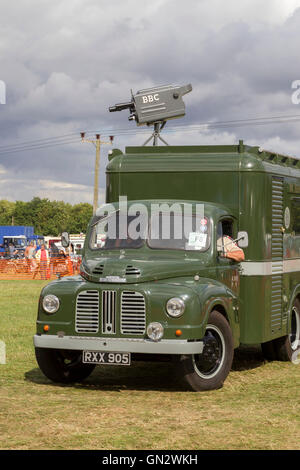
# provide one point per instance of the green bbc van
(182, 298)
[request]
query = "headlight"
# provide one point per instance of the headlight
(175, 307)
(50, 303)
(155, 331)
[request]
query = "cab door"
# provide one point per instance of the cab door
(227, 269)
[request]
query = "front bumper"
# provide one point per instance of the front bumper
(143, 346)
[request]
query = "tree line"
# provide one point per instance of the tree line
(47, 217)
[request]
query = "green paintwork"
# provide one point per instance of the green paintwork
(233, 181)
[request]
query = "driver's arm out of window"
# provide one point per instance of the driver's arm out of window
(232, 250)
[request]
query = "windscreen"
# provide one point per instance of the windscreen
(179, 232)
(119, 231)
(168, 231)
(19, 242)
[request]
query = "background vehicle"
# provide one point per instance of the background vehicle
(77, 242)
(49, 240)
(19, 235)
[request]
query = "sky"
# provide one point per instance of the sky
(64, 62)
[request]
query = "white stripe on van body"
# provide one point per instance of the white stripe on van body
(267, 268)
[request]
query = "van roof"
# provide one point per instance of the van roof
(239, 157)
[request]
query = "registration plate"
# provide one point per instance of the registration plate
(109, 358)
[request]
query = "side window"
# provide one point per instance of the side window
(224, 228)
(227, 227)
(295, 213)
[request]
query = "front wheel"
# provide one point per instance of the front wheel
(208, 370)
(62, 366)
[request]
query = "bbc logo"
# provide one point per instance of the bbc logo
(2, 92)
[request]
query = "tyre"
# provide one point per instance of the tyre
(62, 366)
(287, 346)
(208, 370)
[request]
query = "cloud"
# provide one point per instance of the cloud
(62, 185)
(51, 189)
(65, 63)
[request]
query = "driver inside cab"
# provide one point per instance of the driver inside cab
(227, 247)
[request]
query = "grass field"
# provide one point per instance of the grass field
(137, 407)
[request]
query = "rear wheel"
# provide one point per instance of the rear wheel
(208, 370)
(287, 346)
(62, 366)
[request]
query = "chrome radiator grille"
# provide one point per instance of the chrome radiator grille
(133, 313)
(87, 312)
(132, 310)
(109, 311)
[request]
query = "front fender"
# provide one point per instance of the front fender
(214, 295)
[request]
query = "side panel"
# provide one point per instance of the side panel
(255, 214)
(255, 218)
(254, 308)
(219, 187)
(269, 283)
(257, 317)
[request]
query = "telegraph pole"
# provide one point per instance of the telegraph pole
(97, 143)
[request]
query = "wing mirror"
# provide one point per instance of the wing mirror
(65, 240)
(242, 239)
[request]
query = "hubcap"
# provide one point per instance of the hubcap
(208, 364)
(294, 336)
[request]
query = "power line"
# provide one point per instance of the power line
(66, 139)
(40, 140)
(24, 149)
(64, 136)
